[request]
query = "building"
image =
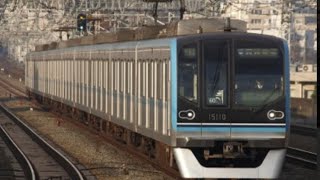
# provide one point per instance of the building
(303, 40)
(303, 81)
(293, 20)
(24, 27)
(263, 16)
(22, 18)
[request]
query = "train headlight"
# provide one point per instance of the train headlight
(273, 114)
(187, 114)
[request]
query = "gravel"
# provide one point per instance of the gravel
(103, 160)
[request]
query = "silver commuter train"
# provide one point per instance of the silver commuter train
(220, 100)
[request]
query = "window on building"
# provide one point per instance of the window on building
(265, 11)
(257, 11)
(256, 21)
(298, 21)
(311, 20)
(275, 12)
(308, 94)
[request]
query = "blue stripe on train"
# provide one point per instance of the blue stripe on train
(232, 126)
(259, 129)
(173, 54)
(287, 83)
(199, 129)
(233, 129)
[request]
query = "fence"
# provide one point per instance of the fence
(304, 111)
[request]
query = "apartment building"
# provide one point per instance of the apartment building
(295, 21)
(303, 80)
(262, 16)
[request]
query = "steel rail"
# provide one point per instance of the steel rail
(303, 130)
(27, 167)
(70, 168)
(17, 91)
(303, 157)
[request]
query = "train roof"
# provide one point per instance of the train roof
(162, 42)
(172, 30)
(157, 36)
(230, 35)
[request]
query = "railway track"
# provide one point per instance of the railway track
(38, 159)
(294, 155)
(21, 93)
(11, 88)
(26, 166)
(303, 130)
(169, 171)
(174, 173)
(302, 157)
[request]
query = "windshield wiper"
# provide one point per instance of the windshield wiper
(264, 104)
(187, 100)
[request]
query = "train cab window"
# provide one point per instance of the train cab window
(188, 73)
(258, 73)
(215, 65)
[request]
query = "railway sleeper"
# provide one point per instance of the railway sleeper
(153, 150)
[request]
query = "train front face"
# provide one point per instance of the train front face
(232, 103)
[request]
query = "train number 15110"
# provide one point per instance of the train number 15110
(217, 117)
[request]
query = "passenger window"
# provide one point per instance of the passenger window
(188, 73)
(216, 65)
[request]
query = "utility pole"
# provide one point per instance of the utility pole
(182, 8)
(282, 18)
(305, 49)
(291, 21)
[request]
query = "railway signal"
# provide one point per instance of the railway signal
(82, 22)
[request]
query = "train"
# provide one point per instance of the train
(218, 102)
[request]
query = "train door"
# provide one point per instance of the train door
(203, 89)
(215, 89)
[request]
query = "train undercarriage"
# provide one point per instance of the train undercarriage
(238, 155)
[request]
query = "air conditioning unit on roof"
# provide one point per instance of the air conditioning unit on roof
(305, 68)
